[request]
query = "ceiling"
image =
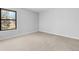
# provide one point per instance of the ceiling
(38, 9)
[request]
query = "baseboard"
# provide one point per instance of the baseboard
(22, 34)
(17, 35)
(67, 36)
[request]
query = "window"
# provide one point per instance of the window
(8, 19)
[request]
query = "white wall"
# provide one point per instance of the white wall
(60, 21)
(26, 23)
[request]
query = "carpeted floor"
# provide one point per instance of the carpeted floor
(39, 42)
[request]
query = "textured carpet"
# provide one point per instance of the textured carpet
(39, 42)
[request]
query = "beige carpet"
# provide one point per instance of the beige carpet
(39, 42)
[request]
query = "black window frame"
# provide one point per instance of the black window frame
(8, 19)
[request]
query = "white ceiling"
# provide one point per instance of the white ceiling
(38, 9)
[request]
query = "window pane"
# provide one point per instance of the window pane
(3, 14)
(10, 15)
(7, 24)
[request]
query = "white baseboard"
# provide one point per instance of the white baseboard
(38, 31)
(17, 35)
(68, 36)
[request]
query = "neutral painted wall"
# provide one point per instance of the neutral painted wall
(60, 21)
(26, 23)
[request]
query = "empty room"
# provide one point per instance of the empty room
(39, 29)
